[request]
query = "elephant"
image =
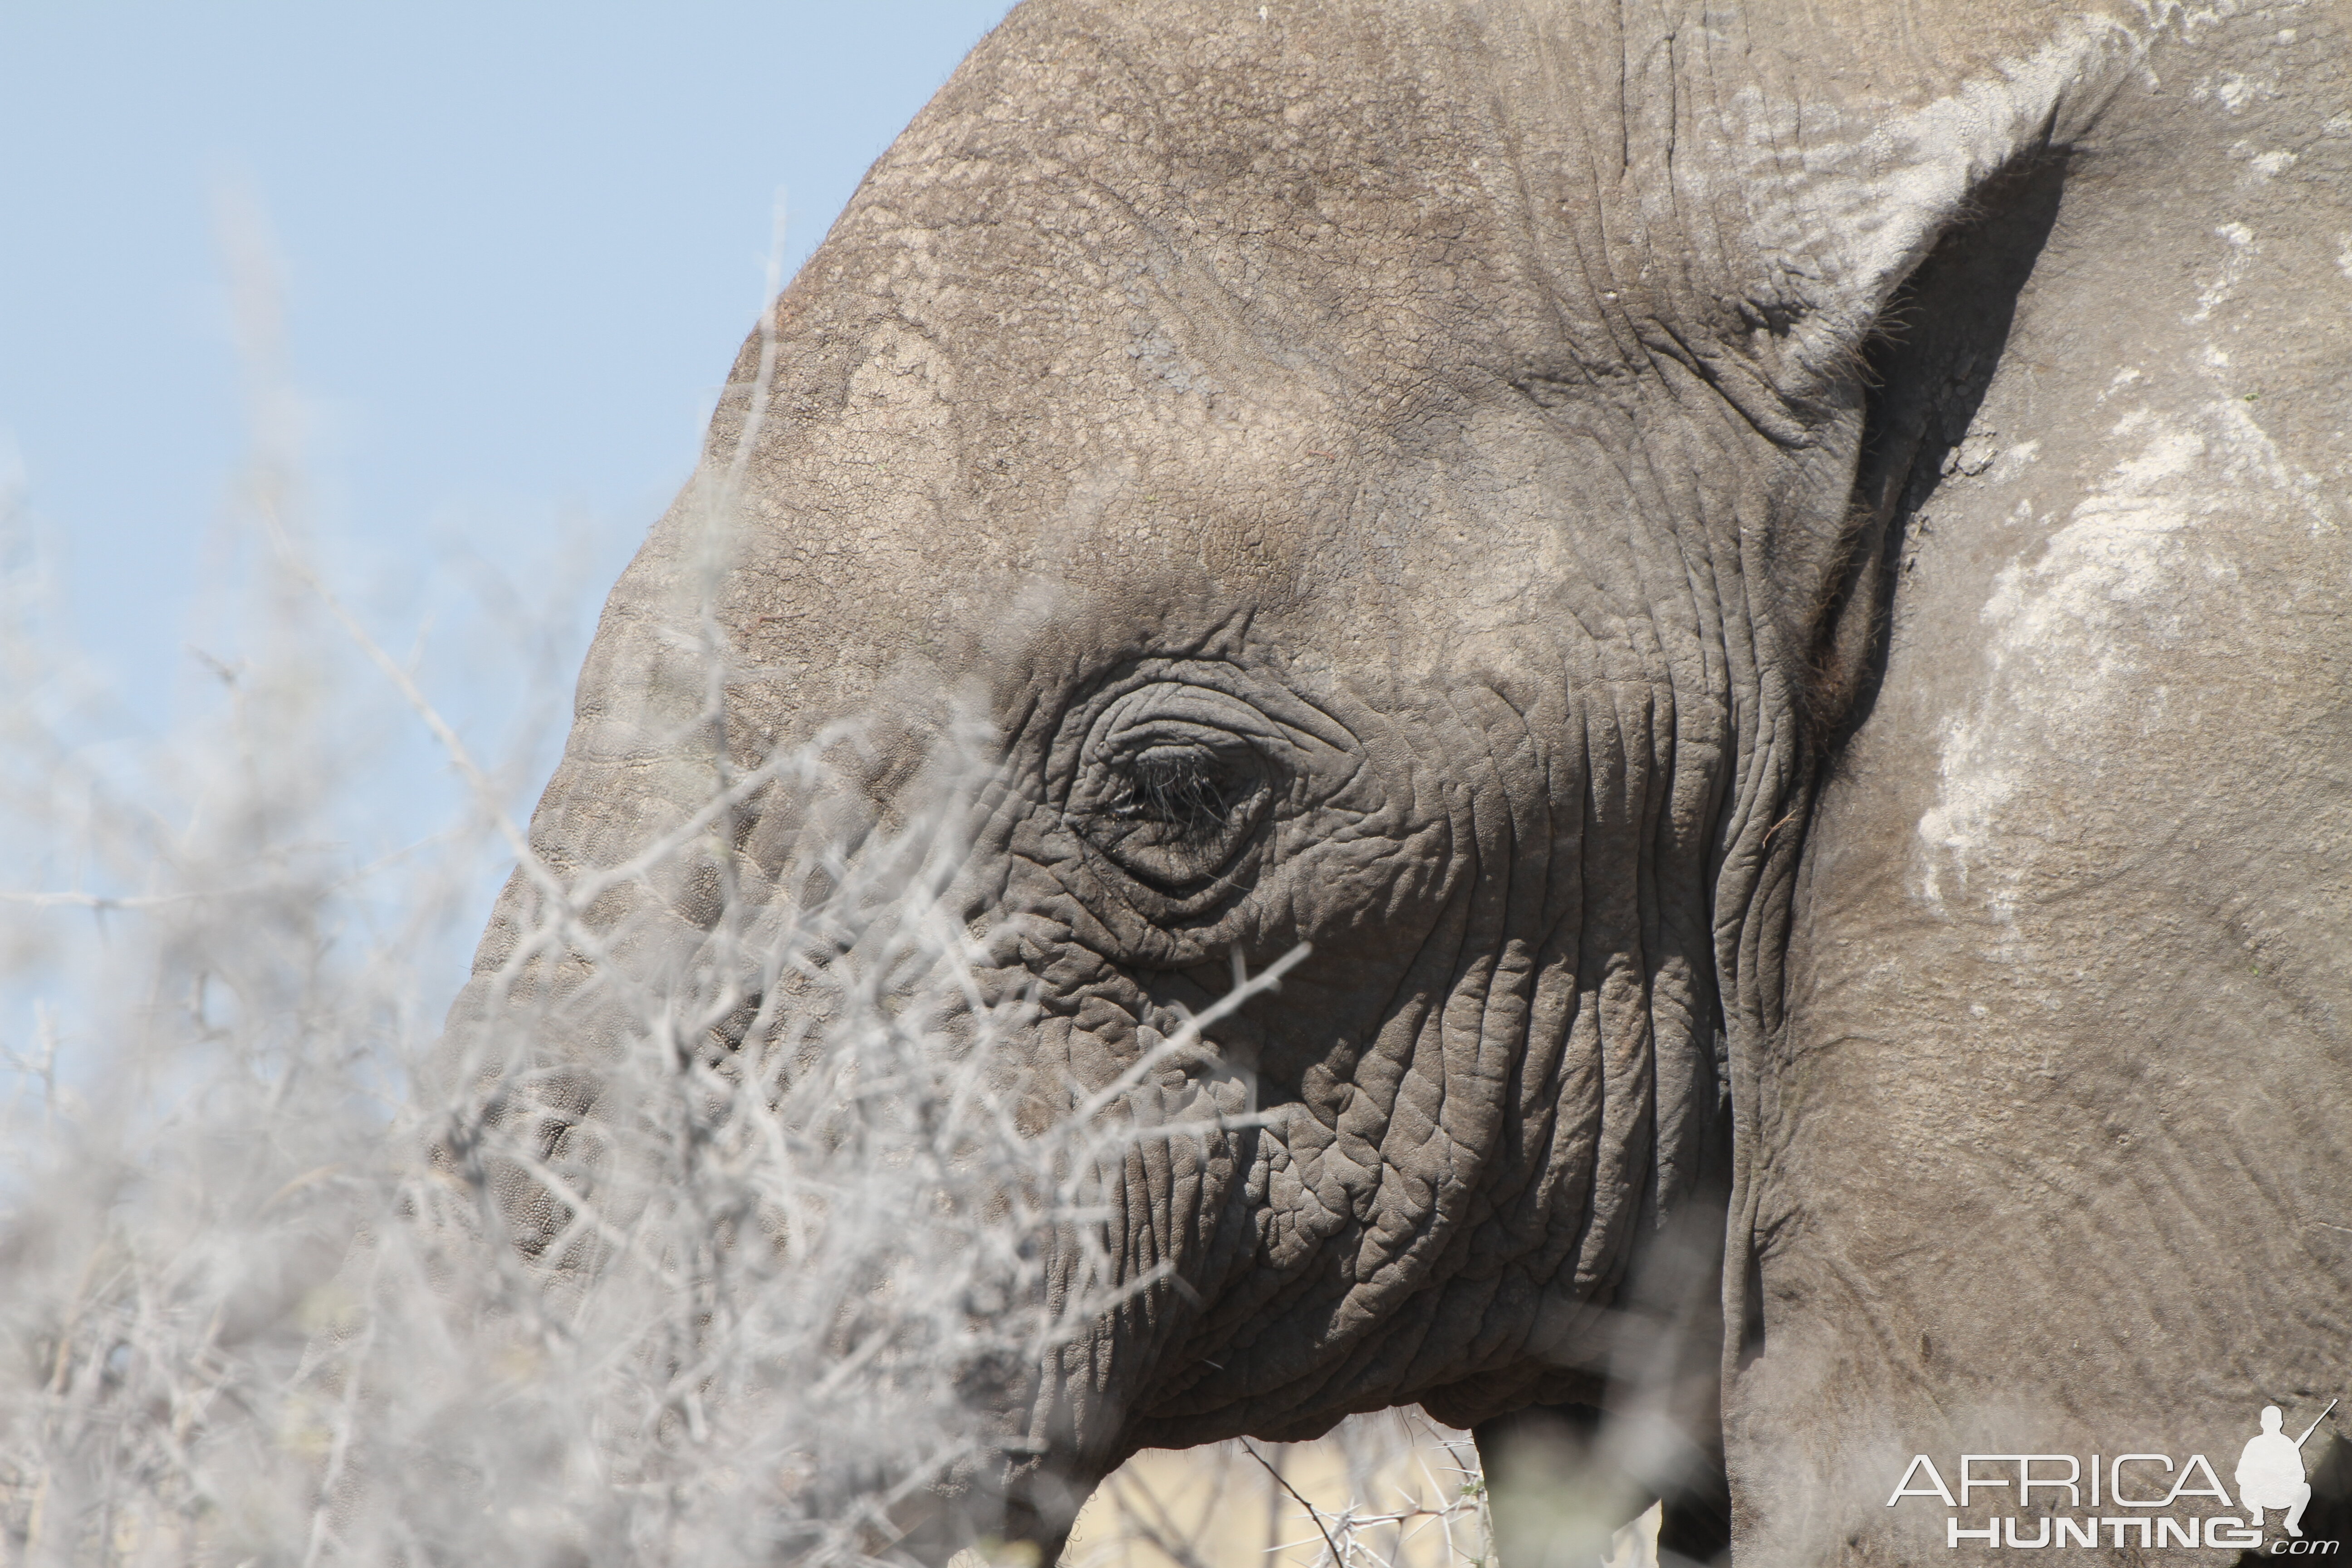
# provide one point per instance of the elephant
(1753, 597)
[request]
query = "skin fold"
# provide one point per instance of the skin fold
(1427, 481)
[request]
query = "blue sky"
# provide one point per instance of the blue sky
(519, 241)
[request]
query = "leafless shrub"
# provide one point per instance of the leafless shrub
(262, 1296)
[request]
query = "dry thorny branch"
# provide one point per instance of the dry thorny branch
(250, 1320)
(262, 1295)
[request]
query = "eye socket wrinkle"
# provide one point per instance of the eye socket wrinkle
(1170, 783)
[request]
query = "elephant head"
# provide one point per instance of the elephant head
(1399, 488)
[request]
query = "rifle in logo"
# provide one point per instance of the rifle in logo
(2270, 1473)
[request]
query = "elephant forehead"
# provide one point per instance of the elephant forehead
(1175, 326)
(949, 512)
(1341, 565)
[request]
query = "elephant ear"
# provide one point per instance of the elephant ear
(1892, 174)
(1891, 239)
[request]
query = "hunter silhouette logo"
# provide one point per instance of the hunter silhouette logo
(2156, 1502)
(2270, 1473)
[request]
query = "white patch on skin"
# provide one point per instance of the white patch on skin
(2338, 125)
(2234, 262)
(1973, 785)
(2066, 627)
(2124, 378)
(2008, 465)
(2269, 165)
(2053, 630)
(2343, 257)
(2236, 91)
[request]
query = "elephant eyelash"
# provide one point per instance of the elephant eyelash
(1174, 813)
(1184, 790)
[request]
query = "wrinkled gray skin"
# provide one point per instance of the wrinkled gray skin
(1469, 444)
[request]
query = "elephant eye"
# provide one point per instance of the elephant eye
(1175, 813)
(1182, 788)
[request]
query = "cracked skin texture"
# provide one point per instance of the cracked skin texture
(1449, 431)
